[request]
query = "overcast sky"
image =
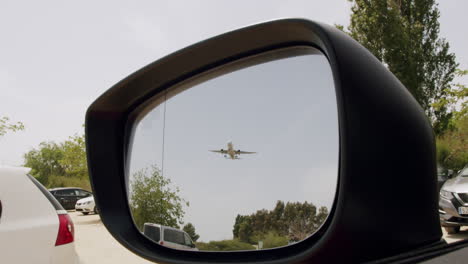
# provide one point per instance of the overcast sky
(58, 56)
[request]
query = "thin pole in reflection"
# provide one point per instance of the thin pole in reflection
(164, 133)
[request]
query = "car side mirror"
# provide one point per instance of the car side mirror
(376, 119)
(450, 174)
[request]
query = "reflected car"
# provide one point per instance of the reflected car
(86, 205)
(68, 196)
(169, 236)
(34, 227)
(453, 202)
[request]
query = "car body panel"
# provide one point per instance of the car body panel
(29, 223)
(61, 254)
(458, 184)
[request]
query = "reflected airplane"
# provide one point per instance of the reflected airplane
(233, 154)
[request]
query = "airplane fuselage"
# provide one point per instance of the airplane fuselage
(230, 151)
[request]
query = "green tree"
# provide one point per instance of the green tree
(224, 245)
(452, 147)
(246, 231)
(404, 35)
(237, 222)
(60, 164)
(45, 161)
(152, 200)
(74, 160)
(190, 230)
(273, 240)
(292, 221)
(302, 219)
(6, 125)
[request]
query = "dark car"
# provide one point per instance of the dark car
(68, 196)
(453, 202)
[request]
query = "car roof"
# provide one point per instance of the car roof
(165, 227)
(24, 170)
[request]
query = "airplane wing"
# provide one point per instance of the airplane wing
(220, 151)
(245, 152)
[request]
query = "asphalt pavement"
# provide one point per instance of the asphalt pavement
(94, 244)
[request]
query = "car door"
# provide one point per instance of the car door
(75, 196)
(189, 245)
(60, 196)
(67, 198)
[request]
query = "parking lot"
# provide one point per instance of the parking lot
(95, 245)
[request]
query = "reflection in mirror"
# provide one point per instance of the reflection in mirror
(244, 161)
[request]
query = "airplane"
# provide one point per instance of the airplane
(231, 152)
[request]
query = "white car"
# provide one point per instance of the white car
(169, 236)
(86, 205)
(34, 227)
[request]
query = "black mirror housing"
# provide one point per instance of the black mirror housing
(381, 127)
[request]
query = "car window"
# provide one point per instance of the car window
(69, 192)
(464, 172)
(188, 241)
(82, 193)
(153, 232)
(174, 236)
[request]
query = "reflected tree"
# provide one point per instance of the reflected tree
(285, 223)
(152, 200)
(190, 230)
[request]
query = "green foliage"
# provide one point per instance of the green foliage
(452, 147)
(273, 240)
(293, 221)
(6, 126)
(45, 162)
(224, 245)
(64, 181)
(190, 230)
(74, 157)
(404, 35)
(153, 201)
(455, 101)
(60, 164)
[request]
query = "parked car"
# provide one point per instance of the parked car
(86, 205)
(68, 196)
(169, 236)
(453, 202)
(34, 227)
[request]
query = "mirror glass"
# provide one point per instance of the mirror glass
(245, 159)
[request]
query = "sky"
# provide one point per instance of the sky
(283, 110)
(56, 57)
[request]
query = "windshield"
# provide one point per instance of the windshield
(464, 172)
